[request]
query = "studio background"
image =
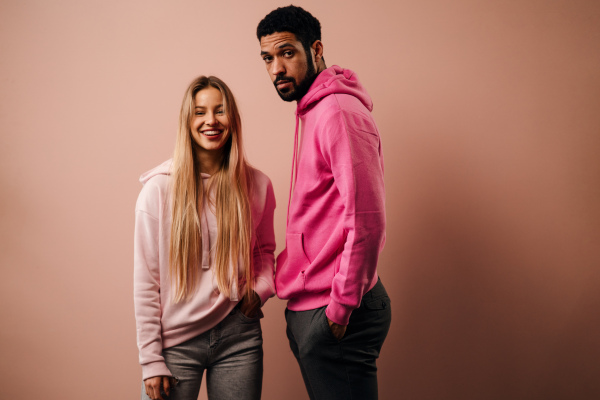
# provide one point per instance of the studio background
(489, 113)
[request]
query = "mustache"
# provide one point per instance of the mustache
(283, 78)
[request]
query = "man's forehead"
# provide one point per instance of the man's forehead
(278, 39)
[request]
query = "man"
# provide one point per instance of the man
(338, 312)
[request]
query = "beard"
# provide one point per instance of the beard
(298, 90)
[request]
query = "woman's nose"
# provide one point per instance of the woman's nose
(211, 119)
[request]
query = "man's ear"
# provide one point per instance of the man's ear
(317, 48)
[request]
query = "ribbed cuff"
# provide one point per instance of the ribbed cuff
(338, 313)
(157, 368)
(263, 289)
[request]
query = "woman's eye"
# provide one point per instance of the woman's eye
(199, 113)
(220, 112)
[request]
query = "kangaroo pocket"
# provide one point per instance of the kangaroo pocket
(296, 273)
(319, 275)
(291, 266)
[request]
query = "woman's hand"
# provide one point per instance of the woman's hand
(153, 386)
(250, 306)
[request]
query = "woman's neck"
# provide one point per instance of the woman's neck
(209, 162)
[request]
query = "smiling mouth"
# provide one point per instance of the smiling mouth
(211, 132)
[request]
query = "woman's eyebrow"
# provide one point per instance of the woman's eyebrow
(217, 106)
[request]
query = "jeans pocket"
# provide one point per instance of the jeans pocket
(380, 303)
(326, 327)
(246, 319)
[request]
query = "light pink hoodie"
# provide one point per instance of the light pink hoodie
(336, 215)
(160, 322)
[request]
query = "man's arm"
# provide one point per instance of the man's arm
(353, 151)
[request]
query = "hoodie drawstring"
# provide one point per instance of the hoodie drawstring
(205, 239)
(294, 168)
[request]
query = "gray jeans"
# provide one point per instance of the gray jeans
(232, 355)
(344, 369)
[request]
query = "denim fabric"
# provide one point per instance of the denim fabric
(232, 355)
(344, 369)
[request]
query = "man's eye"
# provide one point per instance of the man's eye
(288, 53)
(268, 59)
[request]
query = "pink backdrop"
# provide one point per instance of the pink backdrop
(490, 119)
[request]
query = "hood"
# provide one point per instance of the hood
(335, 80)
(162, 169)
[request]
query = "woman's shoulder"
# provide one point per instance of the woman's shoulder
(162, 170)
(260, 178)
(262, 191)
(156, 185)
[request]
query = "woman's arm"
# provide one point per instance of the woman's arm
(264, 247)
(250, 305)
(146, 285)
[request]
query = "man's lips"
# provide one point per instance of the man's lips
(284, 83)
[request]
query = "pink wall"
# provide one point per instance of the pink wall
(490, 118)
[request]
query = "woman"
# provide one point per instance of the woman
(203, 259)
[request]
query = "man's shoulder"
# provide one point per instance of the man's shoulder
(336, 104)
(341, 109)
(339, 116)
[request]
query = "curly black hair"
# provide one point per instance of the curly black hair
(291, 19)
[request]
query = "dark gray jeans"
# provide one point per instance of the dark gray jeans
(344, 369)
(232, 355)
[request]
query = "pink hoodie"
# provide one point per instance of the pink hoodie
(336, 214)
(160, 322)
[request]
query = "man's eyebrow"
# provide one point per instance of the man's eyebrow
(281, 46)
(286, 44)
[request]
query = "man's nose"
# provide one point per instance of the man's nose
(277, 67)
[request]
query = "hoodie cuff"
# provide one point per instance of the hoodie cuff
(263, 289)
(157, 368)
(338, 313)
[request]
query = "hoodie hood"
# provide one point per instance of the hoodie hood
(162, 169)
(332, 80)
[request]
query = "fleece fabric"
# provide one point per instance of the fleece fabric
(336, 213)
(160, 322)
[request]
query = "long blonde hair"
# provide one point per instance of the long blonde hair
(232, 186)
